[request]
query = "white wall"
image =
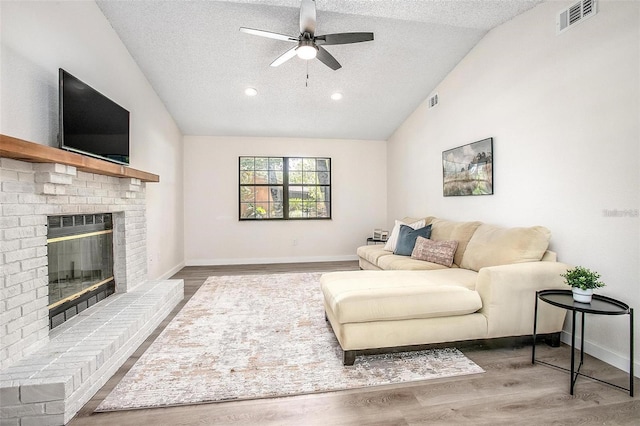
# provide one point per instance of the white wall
(214, 235)
(564, 114)
(40, 37)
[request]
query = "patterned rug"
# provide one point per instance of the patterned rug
(259, 336)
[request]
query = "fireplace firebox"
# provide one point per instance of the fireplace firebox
(80, 257)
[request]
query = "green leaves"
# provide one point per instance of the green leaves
(583, 278)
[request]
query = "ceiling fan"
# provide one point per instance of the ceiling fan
(309, 45)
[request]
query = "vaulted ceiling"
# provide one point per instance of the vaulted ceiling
(199, 63)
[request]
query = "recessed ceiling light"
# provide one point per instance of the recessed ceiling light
(336, 96)
(250, 91)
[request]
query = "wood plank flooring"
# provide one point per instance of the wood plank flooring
(512, 391)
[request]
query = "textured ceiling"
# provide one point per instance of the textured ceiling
(199, 63)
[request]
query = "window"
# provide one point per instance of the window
(285, 188)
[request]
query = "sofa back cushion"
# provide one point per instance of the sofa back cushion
(445, 230)
(493, 245)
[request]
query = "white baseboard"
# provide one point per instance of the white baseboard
(171, 272)
(611, 358)
(268, 260)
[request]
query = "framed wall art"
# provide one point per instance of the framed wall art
(468, 169)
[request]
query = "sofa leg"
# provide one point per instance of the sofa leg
(326, 318)
(348, 357)
(553, 340)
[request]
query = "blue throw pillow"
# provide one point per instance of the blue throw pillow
(407, 238)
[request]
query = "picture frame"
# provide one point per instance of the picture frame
(468, 169)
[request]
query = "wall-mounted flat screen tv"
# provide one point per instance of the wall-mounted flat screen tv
(91, 123)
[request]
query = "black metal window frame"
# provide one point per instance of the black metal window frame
(286, 186)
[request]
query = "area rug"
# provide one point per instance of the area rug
(259, 336)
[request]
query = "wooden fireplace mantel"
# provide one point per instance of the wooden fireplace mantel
(22, 150)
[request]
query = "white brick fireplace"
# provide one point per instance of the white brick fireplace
(29, 193)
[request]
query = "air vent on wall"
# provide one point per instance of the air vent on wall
(433, 101)
(575, 14)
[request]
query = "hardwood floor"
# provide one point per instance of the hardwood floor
(512, 391)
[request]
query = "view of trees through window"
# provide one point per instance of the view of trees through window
(285, 188)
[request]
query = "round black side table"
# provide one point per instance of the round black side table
(600, 305)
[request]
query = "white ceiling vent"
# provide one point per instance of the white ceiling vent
(433, 101)
(575, 14)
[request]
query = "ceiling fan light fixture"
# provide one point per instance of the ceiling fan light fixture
(306, 51)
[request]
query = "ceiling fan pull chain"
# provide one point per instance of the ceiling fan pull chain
(306, 83)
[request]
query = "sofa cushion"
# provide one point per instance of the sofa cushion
(453, 276)
(440, 252)
(407, 238)
(393, 237)
(365, 296)
(459, 231)
(406, 263)
(372, 253)
(493, 245)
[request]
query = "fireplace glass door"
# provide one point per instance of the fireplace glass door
(80, 252)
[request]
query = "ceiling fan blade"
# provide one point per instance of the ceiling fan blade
(343, 38)
(308, 17)
(284, 57)
(268, 34)
(327, 59)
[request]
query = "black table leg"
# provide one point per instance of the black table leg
(573, 351)
(631, 352)
(581, 342)
(535, 326)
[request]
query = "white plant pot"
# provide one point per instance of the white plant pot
(582, 296)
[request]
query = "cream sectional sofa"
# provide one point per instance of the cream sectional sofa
(488, 292)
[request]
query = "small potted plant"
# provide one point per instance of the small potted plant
(583, 281)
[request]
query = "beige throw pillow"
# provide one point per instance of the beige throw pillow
(440, 252)
(392, 242)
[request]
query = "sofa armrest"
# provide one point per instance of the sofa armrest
(508, 297)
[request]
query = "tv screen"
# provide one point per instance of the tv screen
(90, 123)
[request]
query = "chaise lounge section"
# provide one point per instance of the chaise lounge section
(487, 292)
